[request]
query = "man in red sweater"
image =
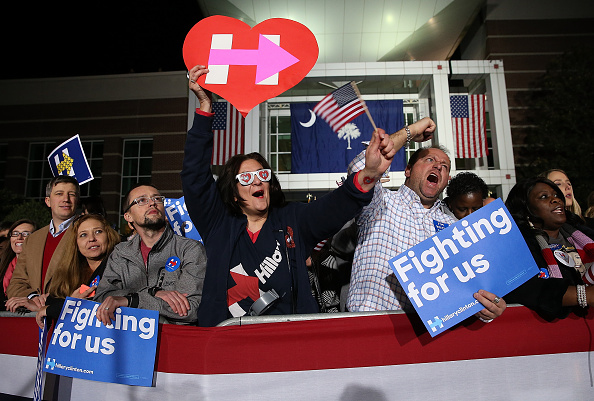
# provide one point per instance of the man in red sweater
(44, 248)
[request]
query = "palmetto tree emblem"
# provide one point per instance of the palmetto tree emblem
(348, 132)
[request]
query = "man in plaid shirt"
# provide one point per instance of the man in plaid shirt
(395, 221)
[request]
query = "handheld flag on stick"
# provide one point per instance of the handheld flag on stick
(342, 106)
(69, 159)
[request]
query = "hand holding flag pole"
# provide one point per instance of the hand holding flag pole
(366, 109)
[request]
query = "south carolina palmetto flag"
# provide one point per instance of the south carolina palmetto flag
(229, 131)
(341, 106)
(468, 124)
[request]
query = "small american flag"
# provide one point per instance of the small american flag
(229, 130)
(341, 106)
(468, 123)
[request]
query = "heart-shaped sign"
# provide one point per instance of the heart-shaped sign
(250, 65)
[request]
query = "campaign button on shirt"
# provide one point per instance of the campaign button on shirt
(564, 258)
(544, 273)
(95, 282)
(439, 225)
(172, 264)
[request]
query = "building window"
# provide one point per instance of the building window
(38, 169)
(411, 113)
(3, 155)
(137, 166)
(490, 159)
(94, 154)
(279, 155)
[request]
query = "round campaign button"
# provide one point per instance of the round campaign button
(172, 264)
(564, 258)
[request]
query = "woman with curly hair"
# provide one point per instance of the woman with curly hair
(84, 260)
(561, 245)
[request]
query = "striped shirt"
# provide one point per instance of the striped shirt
(392, 223)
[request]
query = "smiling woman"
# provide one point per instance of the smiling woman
(18, 233)
(561, 246)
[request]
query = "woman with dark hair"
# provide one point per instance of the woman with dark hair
(83, 264)
(230, 194)
(17, 234)
(561, 246)
(256, 242)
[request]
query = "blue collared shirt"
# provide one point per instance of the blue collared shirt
(61, 228)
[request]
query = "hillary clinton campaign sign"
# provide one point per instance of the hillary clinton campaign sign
(179, 219)
(83, 347)
(249, 65)
(485, 251)
(69, 159)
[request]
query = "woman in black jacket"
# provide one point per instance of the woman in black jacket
(256, 242)
(562, 248)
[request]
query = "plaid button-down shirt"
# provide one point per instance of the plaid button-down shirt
(392, 223)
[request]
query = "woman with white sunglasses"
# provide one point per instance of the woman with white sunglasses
(256, 242)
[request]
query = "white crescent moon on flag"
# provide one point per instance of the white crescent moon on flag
(311, 121)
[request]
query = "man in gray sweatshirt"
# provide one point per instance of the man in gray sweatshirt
(156, 269)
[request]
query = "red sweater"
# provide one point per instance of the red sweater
(50, 246)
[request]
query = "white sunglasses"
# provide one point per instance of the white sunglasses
(247, 177)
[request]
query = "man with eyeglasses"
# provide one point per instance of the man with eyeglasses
(157, 269)
(43, 250)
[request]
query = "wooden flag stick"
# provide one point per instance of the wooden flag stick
(354, 85)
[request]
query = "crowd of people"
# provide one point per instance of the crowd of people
(262, 255)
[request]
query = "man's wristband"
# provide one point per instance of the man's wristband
(32, 295)
(132, 300)
(153, 290)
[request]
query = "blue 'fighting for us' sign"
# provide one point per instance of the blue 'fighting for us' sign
(83, 347)
(485, 251)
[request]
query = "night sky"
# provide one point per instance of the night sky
(52, 39)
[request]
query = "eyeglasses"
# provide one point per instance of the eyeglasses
(247, 177)
(25, 234)
(144, 200)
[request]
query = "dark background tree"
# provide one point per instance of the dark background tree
(14, 207)
(563, 119)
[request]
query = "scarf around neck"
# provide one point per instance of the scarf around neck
(583, 244)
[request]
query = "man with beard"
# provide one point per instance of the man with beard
(395, 221)
(156, 269)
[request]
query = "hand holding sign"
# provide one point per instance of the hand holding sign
(250, 65)
(441, 274)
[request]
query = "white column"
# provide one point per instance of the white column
(440, 98)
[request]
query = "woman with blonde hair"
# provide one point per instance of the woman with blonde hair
(561, 179)
(84, 261)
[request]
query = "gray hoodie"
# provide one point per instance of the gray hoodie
(126, 274)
